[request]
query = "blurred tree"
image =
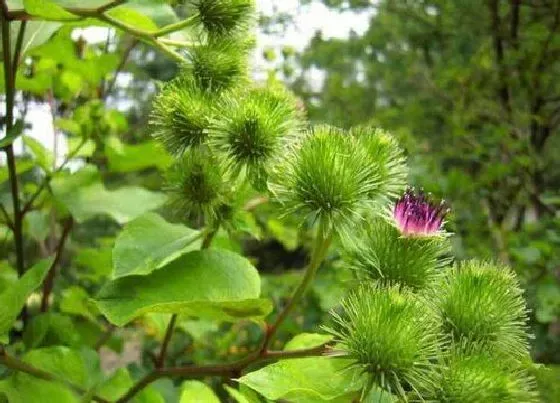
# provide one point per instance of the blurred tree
(470, 86)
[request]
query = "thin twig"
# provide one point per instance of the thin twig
(121, 65)
(29, 205)
(49, 280)
(105, 337)
(7, 220)
(21, 366)
(19, 44)
(110, 5)
(322, 243)
(160, 361)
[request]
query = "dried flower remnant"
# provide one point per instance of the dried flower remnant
(416, 215)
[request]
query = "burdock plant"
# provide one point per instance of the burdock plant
(415, 325)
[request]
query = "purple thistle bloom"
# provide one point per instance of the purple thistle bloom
(416, 215)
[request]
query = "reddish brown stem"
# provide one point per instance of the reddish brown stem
(49, 280)
(160, 361)
(221, 370)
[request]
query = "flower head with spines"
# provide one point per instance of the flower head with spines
(223, 17)
(181, 115)
(199, 186)
(472, 375)
(219, 63)
(481, 303)
(252, 129)
(387, 157)
(326, 176)
(384, 255)
(391, 333)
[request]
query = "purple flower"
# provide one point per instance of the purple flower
(416, 215)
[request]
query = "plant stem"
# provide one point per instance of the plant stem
(221, 370)
(21, 366)
(9, 80)
(160, 361)
(108, 6)
(49, 280)
(19, 43)
(175, 27)
(322, 243)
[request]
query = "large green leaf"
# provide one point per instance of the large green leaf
(127, 158)
(209, 283)
(48, 10)
(196, 391)
(8, 276)
(14, 297)
(85, 197)
(148, 243)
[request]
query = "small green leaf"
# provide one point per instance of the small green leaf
(133, 18)
(149, 242)
(12, 134)
(49, 329)
(158, 10)
(22, 166)
(48, 10)
(307, 340)
(196, 391)
(25, 388)
(211, 283)
(44, 157)
(64, 362)
(38, 225)
(119, 383)
(306, 380)
(76, 301)
(13, 298)
(80, 148)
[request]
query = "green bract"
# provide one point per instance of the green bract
(218, 64)
(223, 16)
(197, 185)
(479, 377)
(482, 303)
(392, 335)
(326, 176)
(181, 114)
(387, 158)
(383, 254)
(252, 130)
